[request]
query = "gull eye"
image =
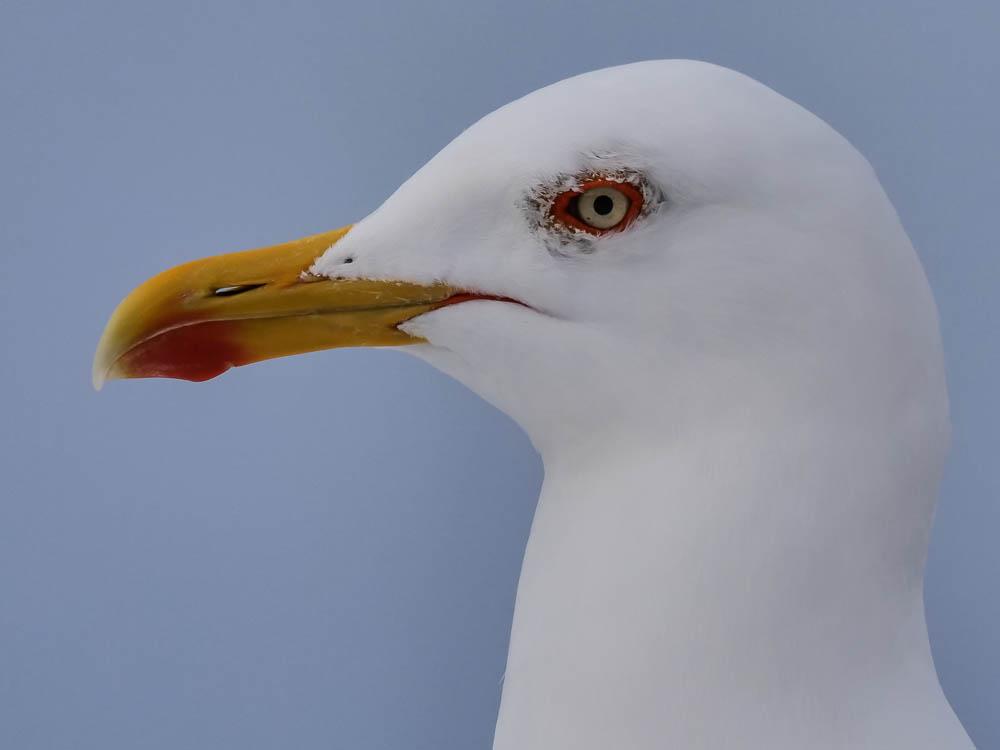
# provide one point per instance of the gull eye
(602, 207)
(598, 206)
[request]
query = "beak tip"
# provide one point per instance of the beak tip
(102, 370)
(98, 378)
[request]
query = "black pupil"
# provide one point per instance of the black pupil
(603, 205)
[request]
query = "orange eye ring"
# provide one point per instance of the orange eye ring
(565, 206)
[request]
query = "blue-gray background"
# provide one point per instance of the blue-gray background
(322, 551)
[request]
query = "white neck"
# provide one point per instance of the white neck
(755, 586)
(728, 549)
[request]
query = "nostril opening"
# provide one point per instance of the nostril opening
(348, 260)
(232, 291)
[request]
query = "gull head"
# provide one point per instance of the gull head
(639, 247)
(698, 302)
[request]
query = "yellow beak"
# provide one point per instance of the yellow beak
(199, 319)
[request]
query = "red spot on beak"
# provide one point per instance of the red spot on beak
(195, 352)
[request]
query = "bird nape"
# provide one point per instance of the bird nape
(698, 302)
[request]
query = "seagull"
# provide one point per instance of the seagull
(700, 305)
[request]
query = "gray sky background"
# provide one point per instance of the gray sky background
(322, 551)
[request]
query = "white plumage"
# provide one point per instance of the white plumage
(739, 400)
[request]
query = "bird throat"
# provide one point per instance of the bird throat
(732, 591)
